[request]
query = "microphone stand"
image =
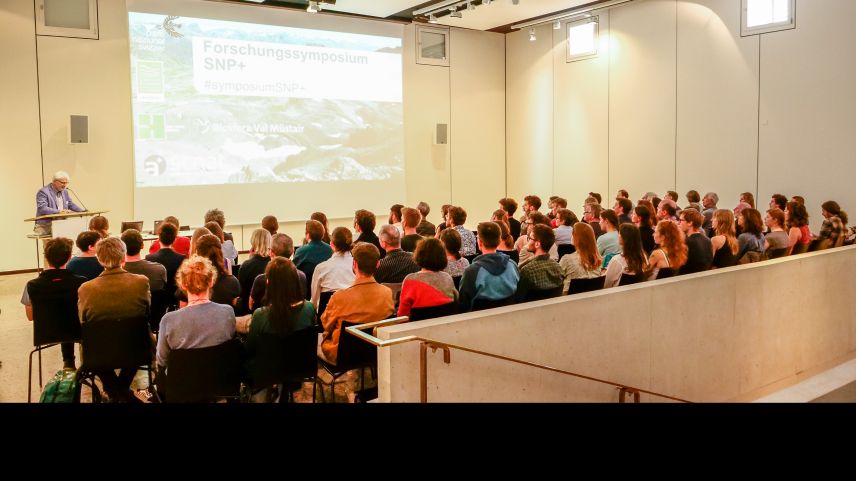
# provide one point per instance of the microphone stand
(77, 197)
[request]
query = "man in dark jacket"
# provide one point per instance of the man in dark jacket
(492, 275)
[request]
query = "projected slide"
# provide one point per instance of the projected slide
(219, 102)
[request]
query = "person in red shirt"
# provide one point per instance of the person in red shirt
(181, 244)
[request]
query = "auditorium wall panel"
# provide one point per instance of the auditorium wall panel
(19, 133)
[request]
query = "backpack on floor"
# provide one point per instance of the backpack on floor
(62, 388)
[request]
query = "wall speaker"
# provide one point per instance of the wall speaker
(78, 129)
(442, 134)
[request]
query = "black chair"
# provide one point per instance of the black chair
(395, 287)
(665, 273)
(565, 249)
(53, 323)
(627, 279)
(204, 374)
(800, 248)
(513, 255)
(776, 253)
(457, 281)
(422, 313)
(285, 361)
(578, 286)
(470, 258)
(480, 304)
(353, 353)
(114, 344)
(162, 301)
(540, 294)
(323, 300)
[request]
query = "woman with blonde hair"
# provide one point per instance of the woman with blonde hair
(724, 242)
(200, 322)
(584, 263)
(671, 253)
(260, 241)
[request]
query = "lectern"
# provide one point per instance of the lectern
(66, 224)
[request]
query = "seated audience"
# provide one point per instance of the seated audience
(607, 244)
(776, 238)
(180, 245)
(115, 294)
(531, 203)
(693, 197)
(194, 239)
(167, 256)
(509, 205)
(230, 253)
(796, 220)
(585, 262)
(444, 210)
(699, 250)
(673, 196)
(506, 243)
(522, 243)
(281, 245)
(834, 228)
(101, 225)
(457, 218)
(336, 272)
(425, 228)
(631, 260)
(270, 224)
(668, 210)
(409, 222)
(365, 301)
(455, 263)
(623, 208)
(556, 204)
(779, 201)
(430, 286)
(227, 289)
(313, 252)
(282, 312)
(642, 218)
(217, 215)
(747, 198)
(395, 216)
(322, 218)
(565, 220)
(492, 276)
(751, 238)
(55, 288)
(723, 244)
(396, 264)
(591, 216)
(156, 273)
(254, 266)
(364, 225)
(201, 323)
(671, 254)
(596, 197)
(798, 199)
(623, 193)
(541, 272)
(86, 264)
(709, 203)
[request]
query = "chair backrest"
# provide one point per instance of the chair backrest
(799, 248)
(136, 224)
(353, 352)
(776, 253)
(586, 285)
(480, 303)
(470, 258)
(539, 294)
(395, 287)
(161, 302)
(323, 300)
(457, 281)
(279, 359)
(116, 343)
(422, 313)
(565, 249)
(751, 257)
(665, 273)
(627, 279)
(204, 374)
(55, 321)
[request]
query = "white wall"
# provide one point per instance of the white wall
(92, 77)
(754, 331)
(673, 103)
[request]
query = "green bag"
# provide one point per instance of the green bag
(62, 388)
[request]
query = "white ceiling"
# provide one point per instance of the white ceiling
(484, 17)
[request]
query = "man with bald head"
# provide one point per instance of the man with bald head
(53, 199)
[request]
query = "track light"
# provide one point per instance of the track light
(432, 18)
(532, 37)
(557, 25)
(455, 13)
(313, 7)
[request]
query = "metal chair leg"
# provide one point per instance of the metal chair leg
(40, 370)
(30, 378)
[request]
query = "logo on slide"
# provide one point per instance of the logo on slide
(154, 165)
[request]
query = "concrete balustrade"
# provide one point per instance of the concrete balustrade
(733, 334)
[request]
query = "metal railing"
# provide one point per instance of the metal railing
(425, 343)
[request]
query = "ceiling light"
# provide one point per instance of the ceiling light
(557, 25)
(532, 37)
(313, 7)
(455, 13)
(432, 18)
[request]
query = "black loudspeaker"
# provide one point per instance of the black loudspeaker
(442, 134)
(78, 129)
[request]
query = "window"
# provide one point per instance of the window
(432, 46)
(67, 18)
(583, 39)
(763, 16)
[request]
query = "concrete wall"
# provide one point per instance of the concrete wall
(677, 99)
(77, 76)
(726, 335)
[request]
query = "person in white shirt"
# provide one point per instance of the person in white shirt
(336, 272)
(566, 219)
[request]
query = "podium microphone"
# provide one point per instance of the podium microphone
(77, 197)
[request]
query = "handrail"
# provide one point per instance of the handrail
(358, 330)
